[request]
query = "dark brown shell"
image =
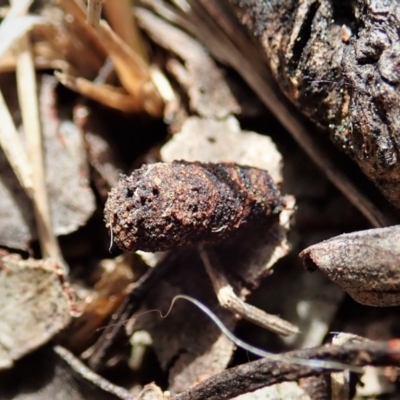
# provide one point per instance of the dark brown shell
(166, 205)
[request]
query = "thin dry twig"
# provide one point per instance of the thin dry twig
(229, 300)
(94, 9)
(79, 367)
(257, 374)
(112, 96)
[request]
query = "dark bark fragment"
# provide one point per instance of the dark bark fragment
(338, 62)
(167, 205)
(317, 387)
(257, 374)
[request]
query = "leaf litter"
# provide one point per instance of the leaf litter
(78, 162)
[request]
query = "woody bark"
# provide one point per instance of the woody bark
(338, 62)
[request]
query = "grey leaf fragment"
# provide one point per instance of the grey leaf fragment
(16, 214)
(365, 264)
(208, 92)
(71, 198)
(214, 141)
(34, 305)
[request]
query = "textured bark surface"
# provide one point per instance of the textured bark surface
(338, 62)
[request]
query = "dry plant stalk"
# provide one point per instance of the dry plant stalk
(130, 66)
(27, 90)
(120, 15)
(229, 300)
(94, 9)
(81, 369)
(340, 381)
(257, 374)
(13, 27)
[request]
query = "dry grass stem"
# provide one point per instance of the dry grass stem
(94, 9)
(229, 300)
(132, 71)
(108, 95)
(13, 148)
(45, 58)
(13, 27)
(73, 35)
(120, 15)
(27, 91)
(168, 13)
(19, 8)
(163, 85)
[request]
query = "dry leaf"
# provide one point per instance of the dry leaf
(199, 75)
(35, 304)
(214, 141)
(17, 226)
(187, 343)
(71, 199)
(104, 288)
(365, 264)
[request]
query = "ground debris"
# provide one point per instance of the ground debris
(197, 109)
(35, 305)
(365, 264)
(168, 205)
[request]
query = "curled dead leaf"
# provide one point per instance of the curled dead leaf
(365, 264)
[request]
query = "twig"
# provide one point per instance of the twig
(94, 8)
(257, 374)
(229, 300)
(86, 373)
